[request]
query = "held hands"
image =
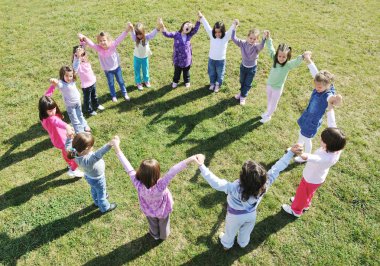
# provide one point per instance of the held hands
(115, 142)
(129, 26)
(161, 23)
(200, 159)
(81, 37)
(266, 34)
(54, 81)
(297, 149)
(307, 56)
(200, 15)
(334, 101)
(70, 132)
(236, 23)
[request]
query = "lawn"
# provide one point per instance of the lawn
(46, 217)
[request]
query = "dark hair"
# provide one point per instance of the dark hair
(253, 178)
(282, 47)
(65, 69)
(81, 142)
(75, 50)
(47, 103)
(148, 172)
(219, 25)
(183, 24)
(334, 139)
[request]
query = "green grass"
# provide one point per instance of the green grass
(46, 216)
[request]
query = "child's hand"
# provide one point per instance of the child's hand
(297, 149)
(236, 22)
(200, 159)
(200, 15)
(54, 81)
(266, 34)
(307, 56)
(115, 142)
(81, 37)
(130, 26)
(335, 100)
(70, 132)
(304, 156)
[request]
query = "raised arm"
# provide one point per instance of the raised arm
(151, 35)
(228, 34)
(207, 26)
(310, 64)
(195, 29)
(88, 41)
(295, 62)
(214, 181)
(120, 38)
(271, 50)
(51, 89)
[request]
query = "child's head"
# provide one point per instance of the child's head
(148, 172)
(323, 80)
(283, 54)
(79, 49)
(334, 139)
(104, 39)
(66, 74)
(82, 144)
(253, 36)
(186, 27)
(48, 107)
(253, 178)
(140, 34)
(219, 30)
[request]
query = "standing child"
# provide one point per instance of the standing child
(218, 48)
(318, 165)
(311, 119)
(278, 74)
(156, 201)
(71, 97)
(250, 49)
(80, 148)
(51, 120)
(182, 54)
(87, 77)
(244, 195)
(141, 53)
(109, 60)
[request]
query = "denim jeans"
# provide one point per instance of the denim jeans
(76, 117)
(90, 100)
(177, 74)
(216, 70)
(246, 77)
(99, 192)
(111, 82)
(138, 64)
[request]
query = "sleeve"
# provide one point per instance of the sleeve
(195, 29)
(68, 143)
(272, 51)
(214, 181)
(236, 40)
(49, 91)
(295, 62)
(133, 35)
(313, 158)
(229, 32)
(100, 153)
(313, 69)
(331, 118)
(151, 35)
(260, 46)
(76, 63)
(59, 122)
(164, 181)
(279, 166)
(119, 39)
(128, 168)
(207, 27)
(169, 34)
(92, 45)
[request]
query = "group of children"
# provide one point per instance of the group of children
(156, 202)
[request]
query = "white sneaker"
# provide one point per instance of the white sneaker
(237, 96)
(140, 87)
(305, 209)
(217, 87)
(75, 173)
(212, 86)
(221, 234)
(289, 210)
(126, 97)
(100, 107)
(265, 119)
(298, 159)
(174, 85)
(114, 99)
(187, 85)
(242, 100)
(93, 113)
(264, 115)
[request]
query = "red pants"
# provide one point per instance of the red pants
(304, 194)
(73, 165)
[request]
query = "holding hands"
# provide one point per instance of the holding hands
(297, 149)
(307, 56)
(335, 100)
(266, 34)
(54, 81)
(236, 23)
(70, 132)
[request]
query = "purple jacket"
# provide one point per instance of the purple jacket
(182, 54)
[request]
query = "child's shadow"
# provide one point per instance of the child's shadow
(127, 252)
(21, 194)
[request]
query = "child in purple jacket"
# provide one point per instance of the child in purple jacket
(182, 54)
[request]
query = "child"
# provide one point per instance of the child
(156, 201)
(71, 97)
(141, 53)
(317, 166)
(182, 54)
(82, 67)
(217, 55)
(80, 148)
(311, 119)
(244, 195)
(109, 60)
(250, 50)
(278, 74)
(51, 120)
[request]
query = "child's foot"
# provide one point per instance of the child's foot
(212, 86)
(114, 99)
(237, 96)
(100, 107)
(304, 209)
(265, 119)
(216, 88)
(140, 87)
(298, 159)
(220, 238)
(289, 210)
(93, 113)
(87, 129)
(75, 173)
(187, 85)
(174, 85)
(126, 97)
(147, 84)
(264, 115)
(111, 208)
(242, 100)
(154, 237)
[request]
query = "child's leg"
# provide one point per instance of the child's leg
(71, 111)
(177, 74)
(211, 69)
(186, 74)
(79, 114)
(164, 226)
(154, 228)
(120, 81)
(308, 145)
(246, 229)
(137, 69)
(101, 191)
(242, 78)
(220, 70)
(72, 164)
(145, 68)
(250, 74)
(111, 82)
(87, 100)
(94, 97)
(304, 194)
(274, 99)
(233, 224)
(94, 194)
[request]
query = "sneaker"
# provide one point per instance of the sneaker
(154, 237)
(220, 238)
(242, 100)
(140, 87)
(264, 115)
(237, 96)
(111, 208)
(265, 119)
(87, 129)
(304, 209)
(75, 173)
(187, 85)
(289, 210)
(93, 113)
(216, 88)
(100, 107)
(298, 159)
(212, 86)
(147, 84)
(174, 85)
(114, 99)
(126, 97)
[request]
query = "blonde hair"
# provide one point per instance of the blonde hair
(104, 34)
(139, 29)
(325, 77)
(255, 32)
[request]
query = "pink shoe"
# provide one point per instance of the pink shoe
(237, 96)
(216, 88)
(140, 87)
(147, 84)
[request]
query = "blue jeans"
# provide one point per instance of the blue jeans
(111, 83)
(76, 117)
(246, 77)
(216, 70)
(98, 192)
(138, 64)
(90, 100)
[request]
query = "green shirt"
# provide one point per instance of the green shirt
(278, 74)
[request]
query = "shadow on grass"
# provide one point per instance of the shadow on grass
(127, 252)
(13, 249)
(21, 194)
(216, 254)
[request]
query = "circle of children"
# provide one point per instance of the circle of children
(156, 202)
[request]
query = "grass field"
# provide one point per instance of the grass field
(46, 217)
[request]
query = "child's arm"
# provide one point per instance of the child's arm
(165, 31)
(50, 90)
(295, 62)
(310, 64)
(236, 40)
(132, 30)
(195, 29)
(152, 34)
(269, 41)
(120, 38)
(261, 45)
(89, 42)
(206, 25)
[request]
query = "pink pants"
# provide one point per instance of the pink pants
(304, 194)
(273, 97)
(73, 165)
